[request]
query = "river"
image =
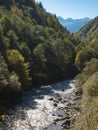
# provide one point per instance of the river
(46, 108)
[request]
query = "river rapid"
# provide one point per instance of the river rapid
(50, 107)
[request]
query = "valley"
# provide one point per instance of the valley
(48, 75)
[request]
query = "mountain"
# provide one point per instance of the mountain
(73, 25)
(87, 81)
(89, 32)
(34, 49)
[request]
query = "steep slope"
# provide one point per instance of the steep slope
(34, 48)
(87, 81)
(73, 25)
(89, 32)
(87, 86)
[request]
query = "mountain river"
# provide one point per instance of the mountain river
(47, 108)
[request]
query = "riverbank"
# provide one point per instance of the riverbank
(51, 107)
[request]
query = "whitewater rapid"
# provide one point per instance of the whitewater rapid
(43, 108)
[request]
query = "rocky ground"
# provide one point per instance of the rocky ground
(51, 107)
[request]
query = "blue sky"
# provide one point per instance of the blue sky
(72, 8)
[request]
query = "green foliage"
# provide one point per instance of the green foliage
(17, 63)
(14, 82)
(10, 85)
(35, 48)
(8, 79)
(25, 51)
(90, 68)
(85, 55)
(88, 82)
(4, 72)
(89, 31)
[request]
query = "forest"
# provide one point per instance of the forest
(35, 50)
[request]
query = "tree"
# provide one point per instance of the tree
(14, 82)
(39, 60)
(4, 72)
(17, 63)
(85, 55)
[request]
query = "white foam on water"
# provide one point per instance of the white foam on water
(42, 115)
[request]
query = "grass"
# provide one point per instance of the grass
(87, 81)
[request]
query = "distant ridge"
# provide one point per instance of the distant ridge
(89, 32)
(73, 25)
